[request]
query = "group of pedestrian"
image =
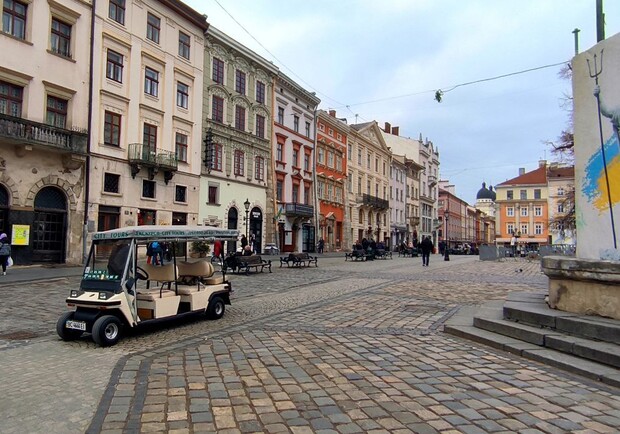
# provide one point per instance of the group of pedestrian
(155, 253)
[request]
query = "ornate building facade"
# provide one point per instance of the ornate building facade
(43, 124)
(236, 181)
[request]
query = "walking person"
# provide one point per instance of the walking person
(5, 252)
(427, 247)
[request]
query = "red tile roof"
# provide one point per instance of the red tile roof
(538, 176)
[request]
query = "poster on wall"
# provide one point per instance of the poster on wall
(20, 235)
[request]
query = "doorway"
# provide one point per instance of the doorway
(308, 242)
(256, 228)
(233, 221)
(49, 227)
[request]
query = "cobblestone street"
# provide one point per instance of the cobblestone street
(342, 348)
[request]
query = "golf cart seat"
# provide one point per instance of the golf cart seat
(160, 301)
(193, 276)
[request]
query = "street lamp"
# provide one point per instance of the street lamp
(447, 246)
(246, 204)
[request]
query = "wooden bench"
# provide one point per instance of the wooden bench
(356, 255)
(383, 254)
(299, 260)
(252, 261)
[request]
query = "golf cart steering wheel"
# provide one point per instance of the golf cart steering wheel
(141, 274)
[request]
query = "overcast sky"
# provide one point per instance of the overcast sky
(384, 60)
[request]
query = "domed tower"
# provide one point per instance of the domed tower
(485, 200)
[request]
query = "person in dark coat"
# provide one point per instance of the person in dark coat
(244, 242)
(427, 247)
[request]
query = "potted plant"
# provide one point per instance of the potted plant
(201, 248)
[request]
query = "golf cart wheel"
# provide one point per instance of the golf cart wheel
(65, 333)
(107, 330)
(216, 308)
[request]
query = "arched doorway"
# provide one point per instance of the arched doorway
(4, 210)
(233, 221)
(256, 228)
(49, 227)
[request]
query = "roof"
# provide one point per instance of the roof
(485, 193)
(538, 176)
(165, 232)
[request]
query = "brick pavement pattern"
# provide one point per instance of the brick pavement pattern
(342, 348)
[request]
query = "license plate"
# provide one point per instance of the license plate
(76, 325)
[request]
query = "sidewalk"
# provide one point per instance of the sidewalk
(31, 273)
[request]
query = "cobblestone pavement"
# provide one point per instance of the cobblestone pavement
(342, 348)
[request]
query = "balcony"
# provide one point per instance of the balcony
(20, 131)
(373, 201)
(432, 180)
(153, 160)
(298, 209)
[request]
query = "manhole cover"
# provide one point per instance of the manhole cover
(18, 335)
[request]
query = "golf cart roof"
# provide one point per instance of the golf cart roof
(168, 233)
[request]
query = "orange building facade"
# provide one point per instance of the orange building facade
(522, 209)
(331, 170)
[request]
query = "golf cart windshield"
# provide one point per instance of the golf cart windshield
(106, 265)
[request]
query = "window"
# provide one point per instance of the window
(538, 229)
(153, 25)
(218, 70)
(14, 18)
(307, 129)
(148, 189)
(330, 159)
(295, 193)
(259, 169)
(116, 11)
(260, 126)
(180, 147)
(321, 156)
(560, 207)
(151, 82)
(240, 118)
(307, 162)
(509, 195)
(538, 211)
(56, 112)
(280, 152)
(537, 193)
(330, 132)
(180, 193)
(359, 157)
(368, 160)
(260, 92)
(61, 38)
(510, 212)
(307, 196)
(524, 211)
(114, 66)
(240, 82)
(296, 123)
(560, 191)
(182, 95)
(523, 194)
(111, 182)
(213, 194)
(217, 157)
(11, 99)
(510, 228)
(239, 163)
(377, 166)
(350, 181)
(279, 190)
(320, 190)
(184, 45)
(112, 129)
(149, 137)
(281, 115)
(350, 153)
(217, 109)
(524, 229)
(295, 161)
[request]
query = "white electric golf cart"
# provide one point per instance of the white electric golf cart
(119, 289)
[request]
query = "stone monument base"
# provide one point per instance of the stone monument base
(583, 286)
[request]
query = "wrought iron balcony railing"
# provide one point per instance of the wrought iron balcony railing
(298, 209)
(27, 132)
(373, 201)
(141, 155)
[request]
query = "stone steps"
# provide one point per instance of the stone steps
(525, 326)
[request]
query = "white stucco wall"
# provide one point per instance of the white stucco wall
(594, 228)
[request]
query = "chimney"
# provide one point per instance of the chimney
(332, 113)
(521, 171)
(395, 130)
(388, 128)
(542, 163)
